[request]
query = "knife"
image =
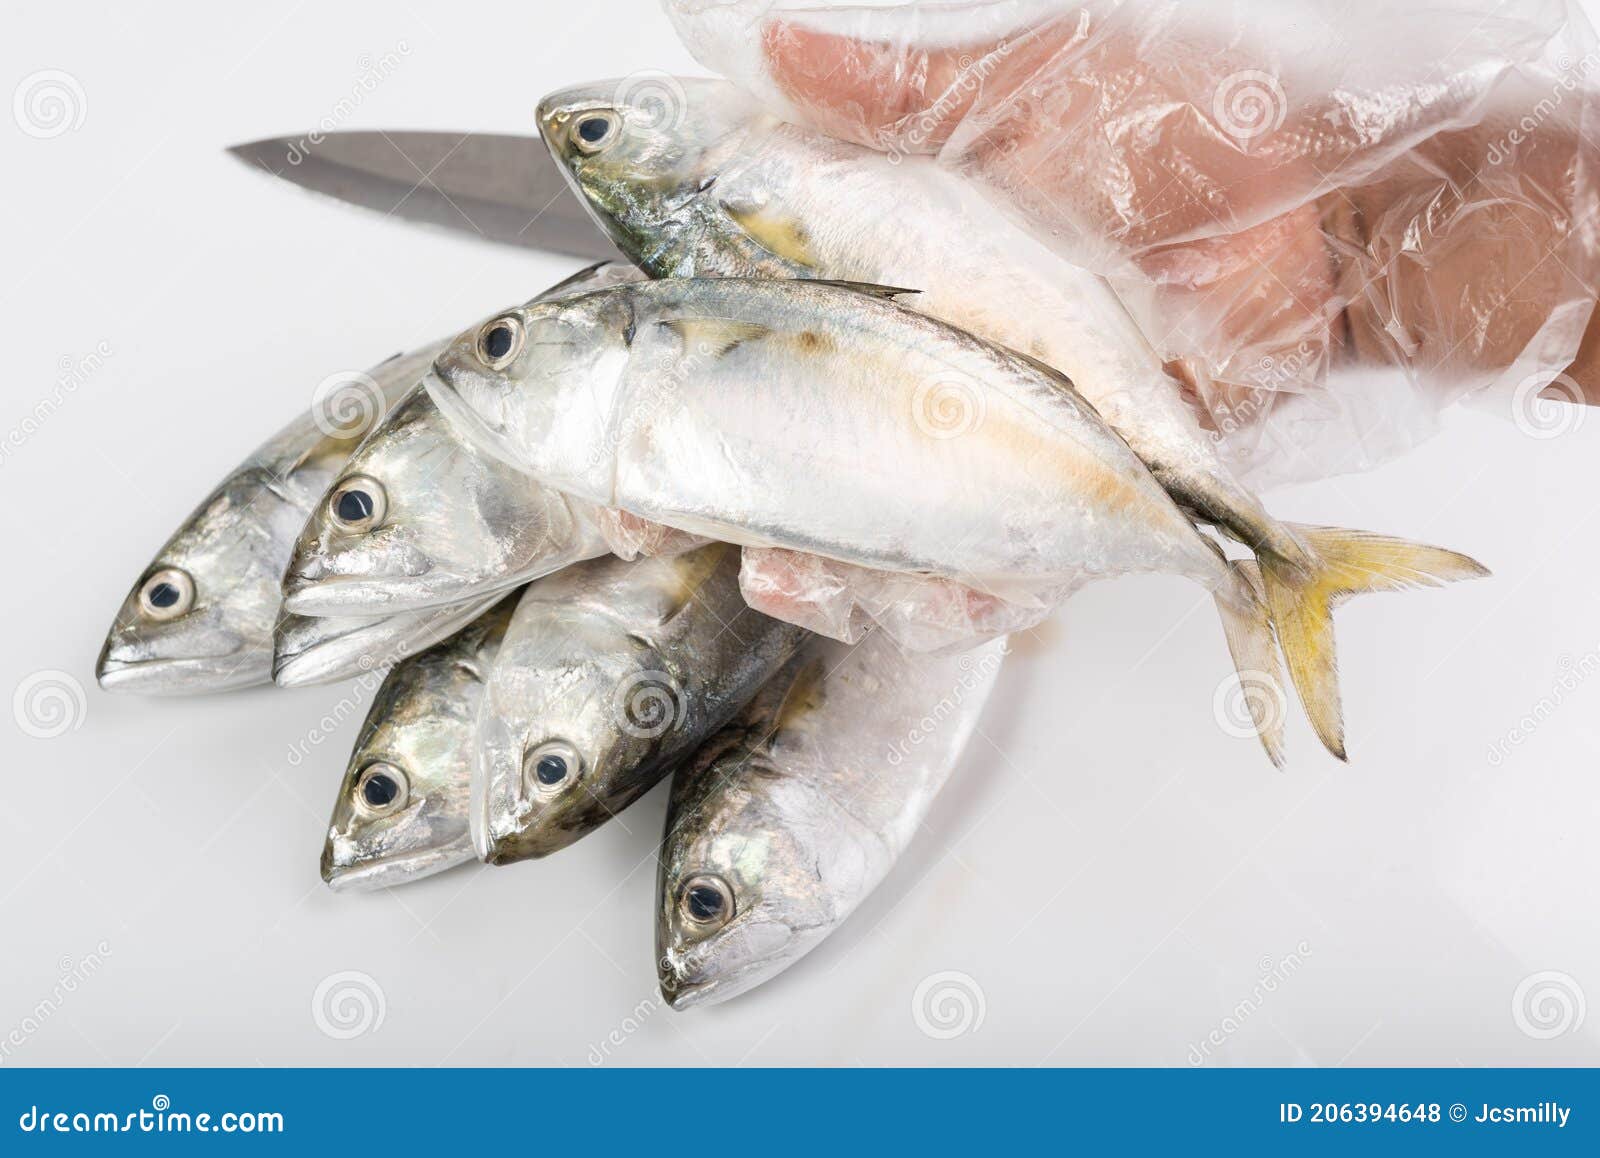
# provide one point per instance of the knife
(502, 188)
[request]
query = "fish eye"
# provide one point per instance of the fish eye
(358, 504)
(381, 789)
(166, 594)
(706, 902)
(594, 131)
(551, 767)
(499, 342)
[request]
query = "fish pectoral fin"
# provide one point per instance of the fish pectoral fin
(780, 236)
(871, 289)
(714, 336)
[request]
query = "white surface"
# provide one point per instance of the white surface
(1108, 866)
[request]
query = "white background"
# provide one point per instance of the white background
(1108, 866)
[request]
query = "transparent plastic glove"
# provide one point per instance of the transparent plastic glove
(920, 613)
(1330, 220)
(631, 537)
(843, 601)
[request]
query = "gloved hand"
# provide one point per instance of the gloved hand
(1286, 195)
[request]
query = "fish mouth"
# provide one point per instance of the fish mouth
(681, 994)
(298, 662)
(384, 872)
(189, 675)
(320, 664)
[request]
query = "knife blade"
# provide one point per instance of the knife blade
(500, 187)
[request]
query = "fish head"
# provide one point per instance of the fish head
(642, 150)
(200, 618)
(533, 386)
(418, 518)
(738, 898)
(574, 721)
(402, 807)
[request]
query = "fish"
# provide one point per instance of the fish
(200, 617)
(814, 416)
(709, 184)
(787, 819)
(611, 672)
(420, 517)
(321, 649)
(716, 186)
(401, 812)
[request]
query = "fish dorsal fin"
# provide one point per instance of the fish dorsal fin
(714, 336)
(563, 287)
(1063, 382)
(871, 289)
(783, 237)
(803, 695)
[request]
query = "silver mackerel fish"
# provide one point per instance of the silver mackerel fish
(715, 186)
(420, 517)
(796, 414)
(201, 616)
(787, 819)
(706, 183)
(611, 672)
(401, 813)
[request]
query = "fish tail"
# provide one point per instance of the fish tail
(1301, 599)
(1247, 625)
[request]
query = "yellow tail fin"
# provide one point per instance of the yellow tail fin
(1301, 602)
(1248, 629)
